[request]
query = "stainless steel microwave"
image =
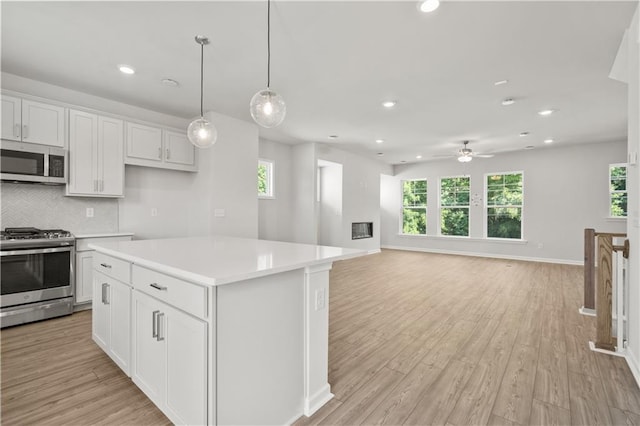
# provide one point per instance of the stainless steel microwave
(26, 162)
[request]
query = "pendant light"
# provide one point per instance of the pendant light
(267, 107)
(201, 132)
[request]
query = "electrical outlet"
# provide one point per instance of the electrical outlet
(89, 211)
(540, 245)
(320, 300)
(154, 212)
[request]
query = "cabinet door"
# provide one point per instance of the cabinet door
(149, 358)
(110, 156)
(186, 368)
(11, 118)
(101, 315)
(144, 143)
(84, 276)
(178, 149)
(120, 303)
(42, 123)
(83, 153)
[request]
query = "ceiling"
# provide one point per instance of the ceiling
(334, 62)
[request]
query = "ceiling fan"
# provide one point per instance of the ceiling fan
(466, 154)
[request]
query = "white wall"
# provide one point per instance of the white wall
(633, 185)
(303, 190)
(274, 214)
(330, 208)
(360, 193)
(565, 191)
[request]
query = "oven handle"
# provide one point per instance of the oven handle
(36, 251)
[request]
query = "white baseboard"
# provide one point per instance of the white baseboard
(314, 402)
(489, 255)
(592, 346)
(633, 364)
(374, 251)
(587, 311)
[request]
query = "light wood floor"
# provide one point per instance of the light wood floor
(415, 338)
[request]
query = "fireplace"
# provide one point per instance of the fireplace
(360, 230)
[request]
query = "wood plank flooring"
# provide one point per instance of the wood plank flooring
(415, 338)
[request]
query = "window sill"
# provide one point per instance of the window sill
(266, 197)
(615, 219)
(470, 239)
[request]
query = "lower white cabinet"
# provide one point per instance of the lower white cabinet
(112, 318)
(170, 359)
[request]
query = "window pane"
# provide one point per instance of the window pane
(454, 221)
(262, 179)
(414, 221)
(619, 204)
(504, 190)
(414, 193)
(504, 222)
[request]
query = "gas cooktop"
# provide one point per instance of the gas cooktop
(33, 234)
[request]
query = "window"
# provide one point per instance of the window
(265, 179)
(454, 206)
(618, 190)
(504, 205)
(414, 207)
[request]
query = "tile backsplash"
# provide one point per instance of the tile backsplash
(47, 207)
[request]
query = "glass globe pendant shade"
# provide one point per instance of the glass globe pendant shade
(267, 108)
(464, 158)
(202, 133)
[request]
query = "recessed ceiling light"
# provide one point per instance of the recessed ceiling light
(546, 112)
(548, 141)
(379, 140)
(418, 156)
(427, 6)
(169, 82)
(500, 82)
(389, 104)
(508, 101)
(403, 161)
(126, 69)
(333, 136)
(523, 134)
(529, 147)
(380, 154)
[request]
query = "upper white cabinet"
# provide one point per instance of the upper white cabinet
(25, 120)
(158, 147)
(96, 155)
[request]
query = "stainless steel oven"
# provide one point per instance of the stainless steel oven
(37, 275)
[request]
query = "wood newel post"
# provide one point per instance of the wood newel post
(604, 339)
(589, 268)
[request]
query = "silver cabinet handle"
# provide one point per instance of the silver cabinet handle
(105, 297)
(159, 317)
(168, 154)
(16, 131)
(154, 324)
(104, 265)
(160, 153)
(157, 286)
(25, 131)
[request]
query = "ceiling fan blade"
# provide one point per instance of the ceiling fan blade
(444, 155)
(483, 155)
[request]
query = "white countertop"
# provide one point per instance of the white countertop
(103, 235)
(220, 260)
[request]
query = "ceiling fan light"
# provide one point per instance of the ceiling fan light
(464, 158)
(267, 108)
(202, 133)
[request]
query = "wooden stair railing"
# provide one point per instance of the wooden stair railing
(604, 306)
(589, 266)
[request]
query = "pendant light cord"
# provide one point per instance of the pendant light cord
(268, 43)
(201, 79)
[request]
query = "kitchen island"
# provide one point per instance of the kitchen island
(218, 330)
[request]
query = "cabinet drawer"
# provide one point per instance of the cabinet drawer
(184, 295)
(115, 268)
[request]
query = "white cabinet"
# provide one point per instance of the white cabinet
(159, 147)
(84, 266)
(112, 318)
(96, 155)
(169, 359)
(31, 121)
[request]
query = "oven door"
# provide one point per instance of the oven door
(31, 275)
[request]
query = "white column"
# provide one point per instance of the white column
(317, 390)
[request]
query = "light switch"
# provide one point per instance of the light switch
(89, 211)
(218, 213)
